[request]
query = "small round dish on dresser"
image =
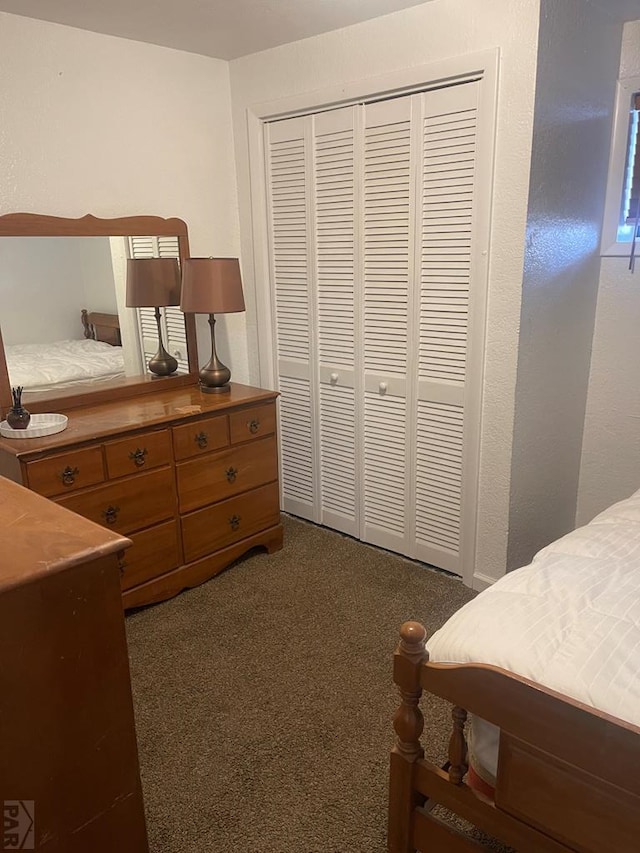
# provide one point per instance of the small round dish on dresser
(39, 426)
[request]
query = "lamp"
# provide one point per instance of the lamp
(212, 286)
(151, 283)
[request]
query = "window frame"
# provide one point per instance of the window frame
(610, 246)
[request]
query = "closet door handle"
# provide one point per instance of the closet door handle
(68, 476)
(382, 387)
(334, 378)
(201, 439)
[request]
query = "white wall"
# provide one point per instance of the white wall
(578, 58)
(102, 125)
(611, 447)
(46, 281)
(424, 34)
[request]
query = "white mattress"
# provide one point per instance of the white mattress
(39, 366)
(570, 620)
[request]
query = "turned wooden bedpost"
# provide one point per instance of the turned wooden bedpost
(407, 722)
(457, 746)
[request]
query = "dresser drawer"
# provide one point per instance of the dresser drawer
(220, 475)
(67, 472)
(230, 521)
(199, 437)
(138, 453)
(252, 423)
(154, 552)
(129, 504)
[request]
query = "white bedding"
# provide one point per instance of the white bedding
(570, 621)
(39, 366)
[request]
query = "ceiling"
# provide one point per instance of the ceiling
(227, 29)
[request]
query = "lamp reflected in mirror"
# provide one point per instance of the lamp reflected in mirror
(155, 283)
(212, 286)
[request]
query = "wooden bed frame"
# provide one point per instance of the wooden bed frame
(568, 775)
(101, 327)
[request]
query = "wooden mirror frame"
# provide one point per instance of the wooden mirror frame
(36, 225)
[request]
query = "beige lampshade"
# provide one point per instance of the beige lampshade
(152, 282)
(211, 286)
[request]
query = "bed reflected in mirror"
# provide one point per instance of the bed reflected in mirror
(66, 329)
(48, 282)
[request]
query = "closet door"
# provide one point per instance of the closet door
(445, 251)
(376, 286)
(334, 199)
(387, 251)
(311, 187)
(289, 187)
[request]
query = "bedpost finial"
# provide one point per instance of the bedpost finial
(412, 636)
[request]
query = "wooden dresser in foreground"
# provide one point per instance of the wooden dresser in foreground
(190, 478)
(69, 775)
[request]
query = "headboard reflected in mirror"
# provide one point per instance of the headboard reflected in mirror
(66, 334)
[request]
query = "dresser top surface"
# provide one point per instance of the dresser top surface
(38, 537)
(104, 420)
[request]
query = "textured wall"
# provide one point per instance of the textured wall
(611, 448)
(578, 58)
(435, 30)
(97, 124)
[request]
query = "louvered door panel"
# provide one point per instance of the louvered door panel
(290, 241)
(386, 253)
(288, 163)
(386, 224)
(297, 435)
(384, 490)
(338, 457)
(176, 336)
(334, 211)
(439, 436)
(447, 186)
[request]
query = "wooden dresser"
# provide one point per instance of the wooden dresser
(69, 774)
(190, 478)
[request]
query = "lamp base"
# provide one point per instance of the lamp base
(162, 366)
(162, 363)
(215, 389)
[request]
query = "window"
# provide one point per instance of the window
(622, 208)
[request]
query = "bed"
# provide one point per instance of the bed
(543, 673)
(61, 364)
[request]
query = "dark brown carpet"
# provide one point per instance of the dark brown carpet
(264, 698)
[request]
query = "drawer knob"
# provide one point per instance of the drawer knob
(122, 565)
(231, 473)
(138, 456)
(69, 475)
(201, 439)
(253, 426)
(110, 514)
(234, 521)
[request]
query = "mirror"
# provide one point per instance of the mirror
(66, 333)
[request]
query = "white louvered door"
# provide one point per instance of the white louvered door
(386, 251)
(445, 215)
(288, 181)
(335, 242)
(371, 213)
